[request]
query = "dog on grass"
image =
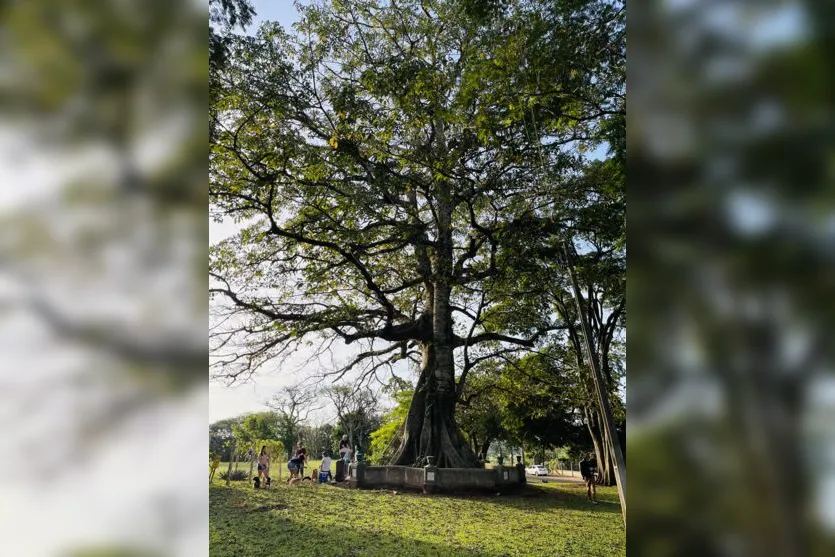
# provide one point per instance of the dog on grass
(257, 482)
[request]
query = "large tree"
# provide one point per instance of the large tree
(388, 162)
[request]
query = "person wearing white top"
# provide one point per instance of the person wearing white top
(345, 449)
(325, 467)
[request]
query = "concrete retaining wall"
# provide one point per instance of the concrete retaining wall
(430, 478)
(414, 476)
(466, 478)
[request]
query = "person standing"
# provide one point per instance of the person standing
(214, 466)
(588, 469)
(325, 468)
(301, 456)
(264, 464)
(293, 467)
(345, 449)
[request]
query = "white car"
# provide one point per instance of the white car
(536, 470)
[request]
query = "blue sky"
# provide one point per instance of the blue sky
(282, 11)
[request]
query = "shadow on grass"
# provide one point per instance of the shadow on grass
(243, 524)
(545, 498)
(538, 498)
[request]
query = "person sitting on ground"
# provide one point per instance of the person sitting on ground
(588, 469)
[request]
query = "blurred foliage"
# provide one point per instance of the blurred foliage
(730, 278)
(113, 552)
(111, 76)
(103, 249)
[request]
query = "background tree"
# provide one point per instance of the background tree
(292, 406)
(602, 278)
(220, 437)
(319, 438)
(355, 409)
(537, 404)
(479, 413)
(253, 430)
(390, 161)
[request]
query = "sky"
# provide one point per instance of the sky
(282, 11)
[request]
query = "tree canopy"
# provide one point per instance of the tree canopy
(403, 174)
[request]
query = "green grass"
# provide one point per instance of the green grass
(313, 520)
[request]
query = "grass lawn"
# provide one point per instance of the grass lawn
(311, 520)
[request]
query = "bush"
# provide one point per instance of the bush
(237, 475)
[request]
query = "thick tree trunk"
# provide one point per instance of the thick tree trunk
(430, 428)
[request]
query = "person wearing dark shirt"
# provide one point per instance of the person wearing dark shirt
(588, 469)
(293, 466)
(301, 456)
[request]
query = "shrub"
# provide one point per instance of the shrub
(237, 475)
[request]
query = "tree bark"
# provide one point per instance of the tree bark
(472, 439)
(430, 428)
(484, 447)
